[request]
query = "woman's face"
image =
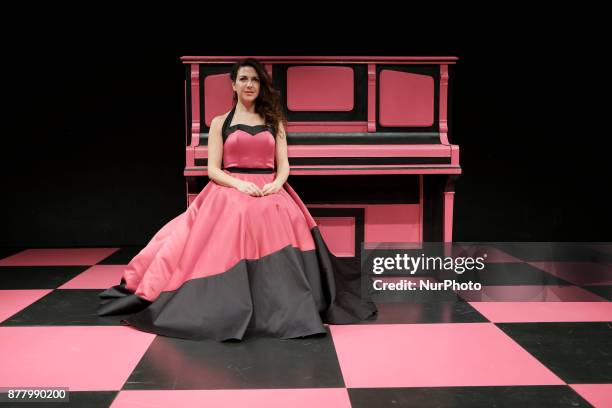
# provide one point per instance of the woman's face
(247, 84)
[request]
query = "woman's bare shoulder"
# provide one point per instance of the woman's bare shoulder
(218, 120)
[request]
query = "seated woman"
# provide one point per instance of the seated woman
(246, 256)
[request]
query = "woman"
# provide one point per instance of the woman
(246, 256)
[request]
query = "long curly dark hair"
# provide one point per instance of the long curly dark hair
(267, 104)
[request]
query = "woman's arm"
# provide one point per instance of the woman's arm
(282, 163)
(282, 159)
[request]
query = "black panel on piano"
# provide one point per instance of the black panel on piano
(358, 189)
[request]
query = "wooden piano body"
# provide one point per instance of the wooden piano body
(367, 141)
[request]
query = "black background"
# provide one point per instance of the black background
(93, 129)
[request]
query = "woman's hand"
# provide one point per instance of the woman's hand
(271, 188)
(249, 188)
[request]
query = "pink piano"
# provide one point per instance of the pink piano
(367, 140)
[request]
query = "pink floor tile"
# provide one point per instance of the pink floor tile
(434, 355)
(57, 256)
(96, 277)
(490, 254)
(12, 301)
(578, 273)
(82, 358)
(260, 398)
(524, 312)
(533, 293)
(599, 395)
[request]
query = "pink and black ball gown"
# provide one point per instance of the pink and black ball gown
(233, 264)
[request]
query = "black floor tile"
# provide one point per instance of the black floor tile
(434, 312)
(507, 274)
(121, 257)
(532, 293)
(587, 273)
(442, 397)
(63, 307)
(255, 362)
(577, 352)
(37, 277)
(605, 291)
(553, 251)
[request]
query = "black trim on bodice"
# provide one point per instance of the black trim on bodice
(252, 130)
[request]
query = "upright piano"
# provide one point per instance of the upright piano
(368, 141)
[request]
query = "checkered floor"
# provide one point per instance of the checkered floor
(539, 334)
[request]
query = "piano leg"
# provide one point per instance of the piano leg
(447, 207)
(191, 185)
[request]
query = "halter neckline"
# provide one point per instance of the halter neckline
(247, 128)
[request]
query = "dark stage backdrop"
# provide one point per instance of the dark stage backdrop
(93, 138)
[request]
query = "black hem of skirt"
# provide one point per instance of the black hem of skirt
(287, 294)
